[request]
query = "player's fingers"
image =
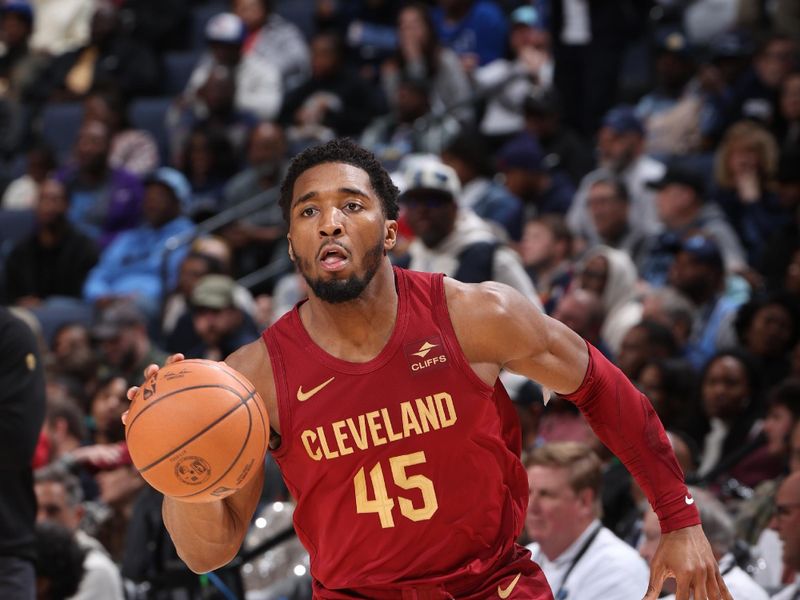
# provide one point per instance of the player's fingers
(125, 415)
(172, 358)
(721, 587)
(150, 370)
(657, 577)
(684, 585)
(699, 587)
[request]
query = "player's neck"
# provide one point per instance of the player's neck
(357, 330)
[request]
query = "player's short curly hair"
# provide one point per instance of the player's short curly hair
(342, 150)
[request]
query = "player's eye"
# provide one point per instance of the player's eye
(353, 206)
(308, 211)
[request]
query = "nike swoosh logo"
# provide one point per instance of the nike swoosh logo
(505, 593)
(303, 396)
(688, 500)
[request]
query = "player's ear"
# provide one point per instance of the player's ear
(290, 250)
(390, 235)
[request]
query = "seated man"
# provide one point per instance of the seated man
(580, 558)
(719, 529)
(787, 522)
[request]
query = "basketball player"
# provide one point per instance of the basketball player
(391, 429)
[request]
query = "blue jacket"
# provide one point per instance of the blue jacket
(131, 265)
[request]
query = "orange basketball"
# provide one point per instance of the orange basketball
(197, 430)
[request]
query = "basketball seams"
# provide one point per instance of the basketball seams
(224, 368)
(205, 429)
(235, 459)
(242, 399)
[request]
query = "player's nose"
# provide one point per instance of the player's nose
(330, 224)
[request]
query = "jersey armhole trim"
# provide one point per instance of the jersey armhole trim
(442, 314)
(281, 391)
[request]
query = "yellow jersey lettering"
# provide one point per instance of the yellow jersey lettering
(427, 414)
(341, 436)
(359, 434)
(445, 401)
(324, 443)
(374, 428)
(393, 437)
(308, 438)
(409, 419)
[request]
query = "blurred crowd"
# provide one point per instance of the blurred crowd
(632, 167)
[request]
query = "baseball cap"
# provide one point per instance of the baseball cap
(703, 249)
(541, 101)
(731, 44)
(680, 176)
(623, 119)
(226, 28)
(213, 291)
(22, 8)
(115, 318)
(176, 182)
(673, 41)
(526, 15)
(521, 152)
(430, 175)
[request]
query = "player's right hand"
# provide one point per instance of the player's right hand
(149, 371)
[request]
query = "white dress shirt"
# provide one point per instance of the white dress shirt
(609, 569)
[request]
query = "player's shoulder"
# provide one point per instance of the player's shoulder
(252, 361)
(486, 300)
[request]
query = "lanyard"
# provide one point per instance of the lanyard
(562, 593)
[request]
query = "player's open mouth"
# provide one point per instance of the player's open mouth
(333, 258)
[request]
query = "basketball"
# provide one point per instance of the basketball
(197, 430)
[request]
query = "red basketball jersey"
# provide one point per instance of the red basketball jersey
(406, 468)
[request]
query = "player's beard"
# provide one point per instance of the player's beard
(336, 291)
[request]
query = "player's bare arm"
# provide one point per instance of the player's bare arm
(499, 328)
(208, 535)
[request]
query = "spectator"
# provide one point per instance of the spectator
(505, 83)
(136, 265)
(699, 274)
(60, 500)
(609, 207)
(59, 562)
(745, 167)
(19, 68)
(612, 275)
(274, 39)
(546, 251)
(455, 242)
(420, 57)
(788, 134)
(681, 206)
(22, 402)
(54, 260)
(258, 84)
(61, 25)
(334, 101)
(409, 128)
(208, 159)
(672, 309)
(257, 236)
(103, 201)
(732, 447)
(787, 523)
(133, 150)
(719, 529)
(671, 386)
(218, 322)
(72, 354)
(579, 557)
(522, 162)
(769, 327)
(620, 150)
(161, 24)
(121, 330)
(23, 192)
(563, 148)
(65, 429)
(582, 311)
(476, 30)
(646, 341)
(110, 58)
(782, 245)
(590, 40)
(486, 197)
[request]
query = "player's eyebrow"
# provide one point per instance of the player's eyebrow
(347, 191)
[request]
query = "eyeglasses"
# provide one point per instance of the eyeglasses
(783, 510)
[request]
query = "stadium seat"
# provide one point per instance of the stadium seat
(59, 127)
(178, 67)
(150, 114)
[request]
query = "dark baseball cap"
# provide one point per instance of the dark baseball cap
(680, 176)
(623, 119)
(521, 152)
(214, 292)
(704, 250)
(673, 41)
(542, 101)
(115, 318)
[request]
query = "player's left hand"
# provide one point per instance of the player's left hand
(686, 555)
